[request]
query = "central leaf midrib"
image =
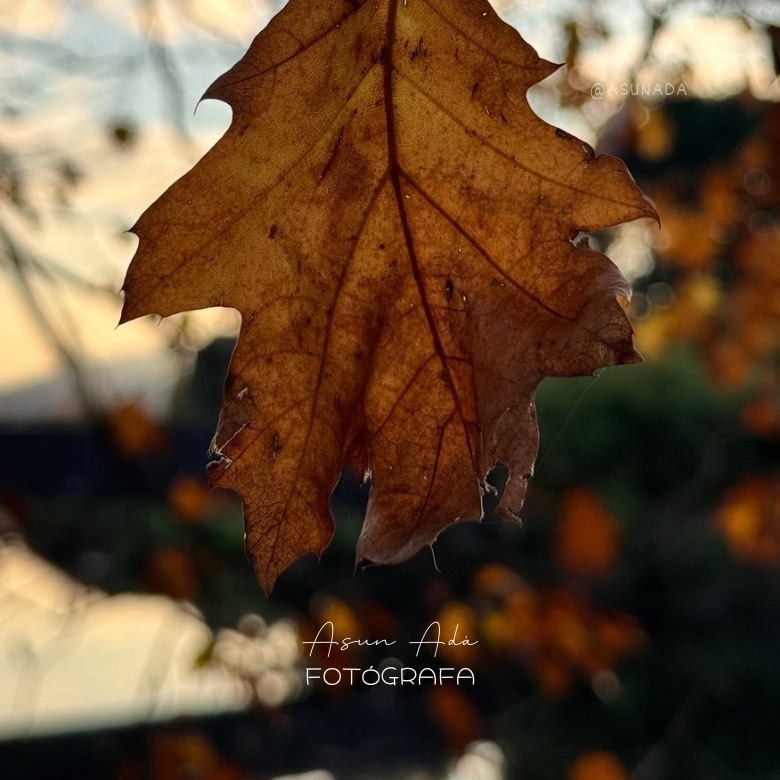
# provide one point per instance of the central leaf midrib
(395, 178)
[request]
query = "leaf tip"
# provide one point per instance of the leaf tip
(651, 212)
(549, 67)
(632, 357)
(124, 314)
(505, 513)
(266, 573)
(129, 311)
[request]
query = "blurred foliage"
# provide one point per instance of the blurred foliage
(630, 627)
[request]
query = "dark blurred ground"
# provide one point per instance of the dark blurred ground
(617, 619)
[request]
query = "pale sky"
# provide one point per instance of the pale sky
(73, 657)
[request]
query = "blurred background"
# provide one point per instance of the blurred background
(629, 628)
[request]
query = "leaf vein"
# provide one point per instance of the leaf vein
(500, 152)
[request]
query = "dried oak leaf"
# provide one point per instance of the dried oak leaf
(396, 227)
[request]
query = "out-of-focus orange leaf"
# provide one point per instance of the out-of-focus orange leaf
(336, 611)
(691, 315)
(458, 719)
(587, 536)
(686, 236)
(170, 570)
(757, 298)
(716, 195)
(654, 333)
(495, 579)
(376, 620)
(516, 625)
(721, 237)
(654, 136)
(562, 626)
(617, 634)
(576, 639)
(554, 633)
(457, 621)
(597, 765)
(749, 518)
(612, 636)
(230, 771)
(134, 432)
(188, 498)
(695, 304)
(728, 362)
(761, 415)
(188, 756)
(509, 623)
(552, 674)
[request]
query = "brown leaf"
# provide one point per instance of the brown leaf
(396, 227)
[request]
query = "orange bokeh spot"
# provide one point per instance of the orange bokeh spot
(587, 537)
(188, 498)
(597, 765)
